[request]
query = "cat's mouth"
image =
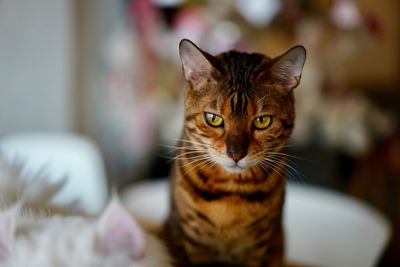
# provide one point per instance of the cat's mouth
(235, 167)
(229, 164)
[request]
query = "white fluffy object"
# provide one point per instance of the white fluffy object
(30, 238)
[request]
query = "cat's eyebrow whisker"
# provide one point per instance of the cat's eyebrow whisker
(261, 99)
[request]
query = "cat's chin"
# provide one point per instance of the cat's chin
(234, 169)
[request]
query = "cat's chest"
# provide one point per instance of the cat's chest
(229, 216)
(229, 222)
(232, 233)
(229, 213)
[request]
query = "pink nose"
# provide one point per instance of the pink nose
(236, 156)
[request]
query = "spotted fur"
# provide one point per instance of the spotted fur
(228, 182)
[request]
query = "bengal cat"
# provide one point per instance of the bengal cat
(228, 179)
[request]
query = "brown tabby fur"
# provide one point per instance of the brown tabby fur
(221, 218)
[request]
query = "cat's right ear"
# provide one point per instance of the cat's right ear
(7, 233)
(196, 64)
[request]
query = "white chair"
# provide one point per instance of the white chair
(323, 228)
(62, 156)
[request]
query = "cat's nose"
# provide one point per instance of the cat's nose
(237, 145)
(236, 155)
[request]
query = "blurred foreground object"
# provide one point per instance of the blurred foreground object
(68, 157)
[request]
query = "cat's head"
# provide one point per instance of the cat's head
(113, 239)
(239, 107)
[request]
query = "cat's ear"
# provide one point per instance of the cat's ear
(286, 69)
(118, 231)
(197, 65)
(7, 232)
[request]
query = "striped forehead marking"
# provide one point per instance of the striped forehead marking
(241, 67)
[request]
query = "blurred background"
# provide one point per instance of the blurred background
(110, 70)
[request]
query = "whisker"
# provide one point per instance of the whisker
(205, 164)
(182, 151)
(285, 154)
(190, 153)
(261, 99)
(190, 158)
(274, 167)
(183, 147)
(179, 157)
(198, 166)
(192, 142)
(278, 148)
(206, 157)
(292, 172)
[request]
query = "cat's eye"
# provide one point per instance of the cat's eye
(262, 122)
(213, 120)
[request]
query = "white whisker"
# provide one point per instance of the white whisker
(199, 165)
(292, 172)
(274, 167)
(206, 157)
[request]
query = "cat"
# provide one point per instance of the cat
(32, 236)
(114, 239)
(228, 179)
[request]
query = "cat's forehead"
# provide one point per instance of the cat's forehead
(240, 91)
(240, 68)
(235, 60)
(240, 102)
(240, 88)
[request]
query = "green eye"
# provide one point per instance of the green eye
(262, 122)
(213, 120)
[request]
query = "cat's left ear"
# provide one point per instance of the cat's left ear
(7, 233)
(118, 231)
(286, 69)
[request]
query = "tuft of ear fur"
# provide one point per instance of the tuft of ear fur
(7, 233)
(287, 68)
(119, 232)
(196, 64)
